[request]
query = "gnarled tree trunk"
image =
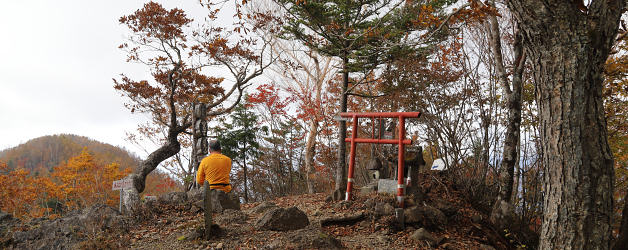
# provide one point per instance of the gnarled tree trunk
(567, 49)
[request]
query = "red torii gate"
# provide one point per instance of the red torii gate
(401, 141)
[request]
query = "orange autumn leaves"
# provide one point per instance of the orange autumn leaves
(78, 183)
(21, 194)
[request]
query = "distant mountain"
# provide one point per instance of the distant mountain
(46, 152)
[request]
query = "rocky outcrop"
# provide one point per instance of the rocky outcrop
(384, 208)
(426, 216)
(173, 198)
(66, 232)
(283, 219)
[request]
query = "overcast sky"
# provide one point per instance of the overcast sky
(57, 61)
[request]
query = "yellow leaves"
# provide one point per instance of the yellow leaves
(85, 182)
(79, 182)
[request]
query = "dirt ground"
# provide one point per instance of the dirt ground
(177, 227)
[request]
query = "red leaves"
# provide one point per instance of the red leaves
(155, 21)
(268, 96)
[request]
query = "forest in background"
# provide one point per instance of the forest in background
(52, 175)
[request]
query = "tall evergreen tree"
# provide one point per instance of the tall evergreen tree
(239, 140)
(363, 34)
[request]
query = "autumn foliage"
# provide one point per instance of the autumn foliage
(22, 195)
(82, 181)
(77, 183)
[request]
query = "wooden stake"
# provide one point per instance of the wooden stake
(207, 201)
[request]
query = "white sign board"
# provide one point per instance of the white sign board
(339, 118)
(438, 164)
(122, 184)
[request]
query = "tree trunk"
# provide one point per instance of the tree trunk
(309, 155)
(245, 171)
(341, 181)
(567, 49)
(170, 148)
(513, 103)
(622, 240)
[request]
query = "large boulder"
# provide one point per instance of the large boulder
(426, 216)
(384, 208)
(101, 217)
(503, 215)
(195, 194)
(283, 219)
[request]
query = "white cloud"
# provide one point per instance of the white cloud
(57, 59)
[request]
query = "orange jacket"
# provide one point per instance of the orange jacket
(215, 168)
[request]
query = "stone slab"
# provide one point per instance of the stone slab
(387, 186)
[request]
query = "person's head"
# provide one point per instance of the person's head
(214, 146)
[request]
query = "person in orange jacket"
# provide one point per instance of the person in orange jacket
(215, 168)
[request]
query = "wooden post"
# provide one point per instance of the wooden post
(207, 201)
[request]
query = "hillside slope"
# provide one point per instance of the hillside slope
(45, 152)
(170, 223)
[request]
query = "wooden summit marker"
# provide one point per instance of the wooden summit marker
(207, 202)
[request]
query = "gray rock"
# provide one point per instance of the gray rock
(368, 189)
(66, 232)
(101, 217)
(324, 241)
(426, 216)
(282, 219)
(130, 200)
(263, 207)
(384, 208)
(503, 215)
(365, 224)
(422, 234)
(195, 194)
(173, 198)
(387, 186)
